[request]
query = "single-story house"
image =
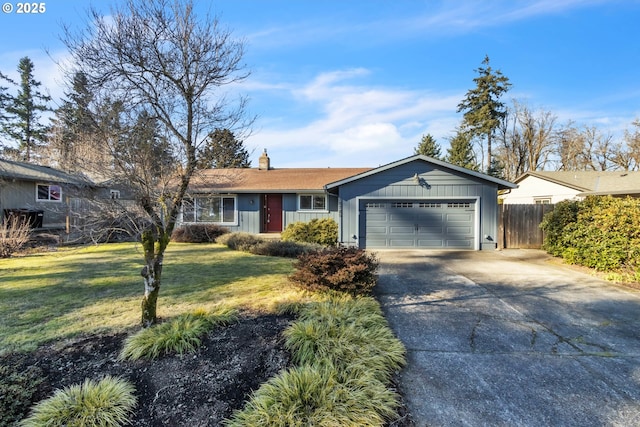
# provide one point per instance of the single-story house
(39, 192)
(550, 187)
(416, 202)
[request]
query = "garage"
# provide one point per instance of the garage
(418, 203)
(425, 224)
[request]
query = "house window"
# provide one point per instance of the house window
(211, 209)
(48, 193)
(312, 202)
(542, 200)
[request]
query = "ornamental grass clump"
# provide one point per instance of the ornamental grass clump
(178, 336)
(311, 395)
(108, 402)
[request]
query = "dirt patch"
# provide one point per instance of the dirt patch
(198, 389)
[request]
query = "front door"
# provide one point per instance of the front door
(272, 218)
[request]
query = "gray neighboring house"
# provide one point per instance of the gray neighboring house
(416, 202)
(41, 191)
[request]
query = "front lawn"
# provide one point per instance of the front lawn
(49, 296)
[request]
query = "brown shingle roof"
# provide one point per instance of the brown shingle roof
(245, 180)
(593, 182)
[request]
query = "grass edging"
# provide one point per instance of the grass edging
(345, 354)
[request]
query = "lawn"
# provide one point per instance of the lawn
(55, 295)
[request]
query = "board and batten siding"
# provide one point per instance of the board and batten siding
(437, 183)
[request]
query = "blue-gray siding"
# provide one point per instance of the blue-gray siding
(435, 183)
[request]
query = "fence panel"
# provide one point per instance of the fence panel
(519, 226)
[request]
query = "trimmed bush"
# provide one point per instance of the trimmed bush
(240, 241)
(198, 233)
(349, 270)
(17, 390)
(555, 223)
(109, 402)
(321, 231)
(280, 248)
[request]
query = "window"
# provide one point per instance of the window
(430, 205)
(402, 204)
(375, 205)
(542, 201)
(114, 194)
(459, 205)
(48, 193)
(216, 209)
(312, 202)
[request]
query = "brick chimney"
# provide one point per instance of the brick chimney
(264, 163)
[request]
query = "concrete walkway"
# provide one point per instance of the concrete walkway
(510, 338)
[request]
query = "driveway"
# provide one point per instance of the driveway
(511, 338)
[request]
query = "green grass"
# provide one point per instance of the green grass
(49, 296)
(108, 402)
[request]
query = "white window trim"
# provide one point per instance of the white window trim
(49, 200)
(326, 202)
(208, 196)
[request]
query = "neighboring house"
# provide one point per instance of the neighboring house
(38, 191)
(417, 202)
(546, 187)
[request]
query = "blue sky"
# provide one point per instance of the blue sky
(357, 83)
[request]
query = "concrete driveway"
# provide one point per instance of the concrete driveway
(510, 338)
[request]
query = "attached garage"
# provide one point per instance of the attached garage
(420, 203)
(429, 224)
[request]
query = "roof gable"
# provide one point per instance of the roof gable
(30, 172)
(592, 182)
(502, 184)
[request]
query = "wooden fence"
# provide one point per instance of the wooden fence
(519, 226)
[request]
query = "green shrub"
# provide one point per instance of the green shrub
(318, 396)
(600, 232)
(240, 241)
(17, 390)
(555, 225)
(321, 231)
(349, 270)
(288, 249)
(109, 402)
(198, 233)
(178, 336)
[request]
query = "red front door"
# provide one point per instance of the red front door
(272, 221)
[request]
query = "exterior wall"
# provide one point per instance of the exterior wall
(532, 188)
(399, 183)
(292, 214)
(22, 195)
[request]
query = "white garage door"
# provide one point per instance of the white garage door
(434, 224)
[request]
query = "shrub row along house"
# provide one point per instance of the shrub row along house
(416, 202)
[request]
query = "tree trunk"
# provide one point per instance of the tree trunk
(151, 274)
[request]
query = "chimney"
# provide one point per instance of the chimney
(264, 163)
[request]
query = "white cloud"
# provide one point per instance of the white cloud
(355, 124)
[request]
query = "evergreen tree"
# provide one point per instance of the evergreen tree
(223, 150)
(483, 111)
(429, 147)
(461, 151)
(24, 111)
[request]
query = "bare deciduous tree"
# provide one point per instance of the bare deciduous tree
(156, 61)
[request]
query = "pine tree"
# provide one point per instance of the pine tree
(23, 125)
(429, 147)
(223, 150)
(461, 151)
(483, 111)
